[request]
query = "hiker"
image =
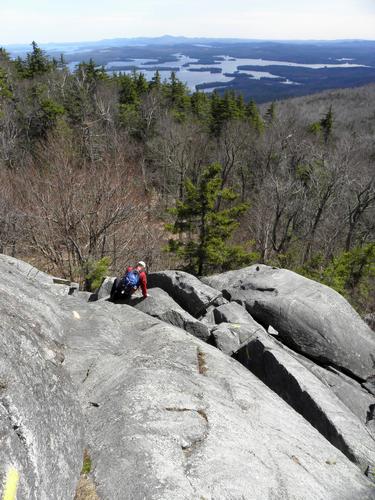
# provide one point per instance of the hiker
(135, 277)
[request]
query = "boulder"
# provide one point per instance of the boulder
(105, 288)
(284, 374)
(230, 337)
(41, 425)
(232, 313)
(170, 417)
(187, 290)
(208, 318)
(311, 318)
(160, 305)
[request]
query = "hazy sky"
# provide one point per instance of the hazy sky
(22, 21)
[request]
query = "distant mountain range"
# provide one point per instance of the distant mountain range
(161, 40)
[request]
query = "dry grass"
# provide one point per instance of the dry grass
(86, 490)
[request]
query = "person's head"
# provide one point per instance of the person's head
(141, 264)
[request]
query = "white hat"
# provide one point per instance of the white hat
(141, 263)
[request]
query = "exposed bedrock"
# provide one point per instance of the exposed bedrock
(160, 305)
(311, 318)
(276, 365)
(230, 337)
(169, 416)
(163, 414)
(41, 424)
(187, 290)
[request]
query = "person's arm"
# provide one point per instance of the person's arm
(143, 280)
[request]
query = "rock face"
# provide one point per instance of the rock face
(284, 374)
(232, 313)
(104, 291)
(41, 426)
(160, 305)
(162, 414)
(231, 337)
(311, 318)
(185, 421)
(25, 270)
(186, 290)
(349, 391)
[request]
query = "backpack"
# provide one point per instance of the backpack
(123, 287)
(131, 279)
(128, 283)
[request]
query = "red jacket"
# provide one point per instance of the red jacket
(142, 280)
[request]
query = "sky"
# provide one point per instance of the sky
(22, 21)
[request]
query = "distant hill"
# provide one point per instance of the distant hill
(354, 108)
(264, 70)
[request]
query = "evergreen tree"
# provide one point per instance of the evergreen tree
(46, 112)
(204, 230)
(155, 81)
(241, 107)
(5, 87)
(128, 90)
(216, 115)
(271, 113)
(200, 105)
(177, 94)
(224, 109)
(229, 108)
(326, 124)
(141, 84)
(37, 63)
(4, 55)
(254, 117)
(61, 63)
(91, 72)
(323, 128)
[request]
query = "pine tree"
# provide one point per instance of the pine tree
(241, 107)
(128, 90)
(326, 124)
(216, 114)
(4, 55)
(271, 113)
(91, 72)
(229, 107)
(5, 87)
(177, 94)
(200, 105)
(155, 81)
(254, 117)
(204, 230)
(141, 84)
(37, 63)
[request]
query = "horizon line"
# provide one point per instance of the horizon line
(166, 36)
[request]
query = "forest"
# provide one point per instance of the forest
(99, 170)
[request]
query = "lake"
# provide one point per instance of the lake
(224, 68)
